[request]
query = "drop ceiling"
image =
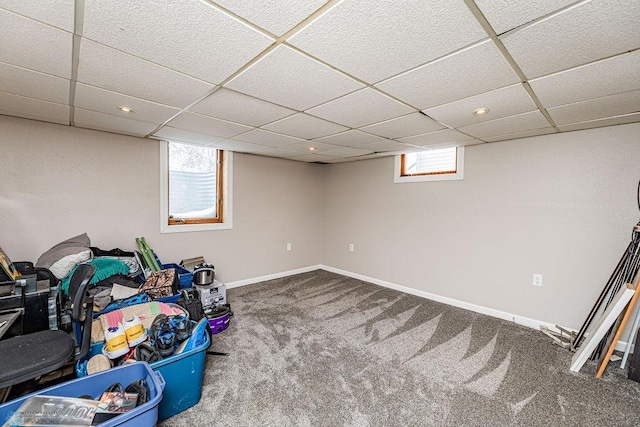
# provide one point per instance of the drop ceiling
(319, 81)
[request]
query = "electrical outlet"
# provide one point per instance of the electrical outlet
(288, 246)
(351, 247)
(537, 280)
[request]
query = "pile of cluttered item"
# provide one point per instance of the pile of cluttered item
(143, 312)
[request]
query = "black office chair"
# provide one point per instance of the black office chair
(30, 356)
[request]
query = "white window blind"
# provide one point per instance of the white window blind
(192, 181)
(442, 164)
(192, 194)
(431, 162)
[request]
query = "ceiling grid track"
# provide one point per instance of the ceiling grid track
(278, 41)
(218, 87)
(541, 18)
(78, 24)
(348, 76)
(380, 91)
(475, 10)
(283, 40)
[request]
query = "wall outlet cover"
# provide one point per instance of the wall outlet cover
(537, 279)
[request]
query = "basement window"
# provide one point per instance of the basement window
(195, 188)
(430, 165)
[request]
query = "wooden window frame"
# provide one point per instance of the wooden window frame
(219, 199)
(400, 176)
(224, 221)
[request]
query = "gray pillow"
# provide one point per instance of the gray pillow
(71, 246)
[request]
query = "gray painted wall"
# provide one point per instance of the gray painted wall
(561, 205)
(57, 182)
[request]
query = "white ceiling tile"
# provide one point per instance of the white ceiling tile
(464, 143)
(505, 125)
(30, 44)
(207, 125)
(585, 33)
(113, 70)
(304, 126)
(360, 108)
(237, 107)
(187, 36)
(438, 137)
(376, 40)
(414, 148)
(174, 134)
(409, 125)
(351, 138)
(21, 81)
(502, 102)
(29, 108)
(285, 155)
(104, 101)
(444, 145)
(311, 158)
(346, 152)
(293, 80)
(606, 77)
(240, 146)
(305, 147)
(331, 160)
(100, 121)
(467, 73)
(599, 108)
(504, 15)
(59, 13)
(162, 56)
(275, 16)
(611, 121)
(523, 134)
(277, 152)
(270, 139)
(387, 146)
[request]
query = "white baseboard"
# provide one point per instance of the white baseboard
(520, 320)
(252, 280)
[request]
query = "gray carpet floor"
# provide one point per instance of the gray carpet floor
(321, 349)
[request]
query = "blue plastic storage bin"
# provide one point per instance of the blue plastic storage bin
(144, 415)
(173, 299)
(183, 374)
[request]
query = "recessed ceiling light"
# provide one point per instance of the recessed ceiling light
(481, 111)
(125, 109)
(312, 148)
